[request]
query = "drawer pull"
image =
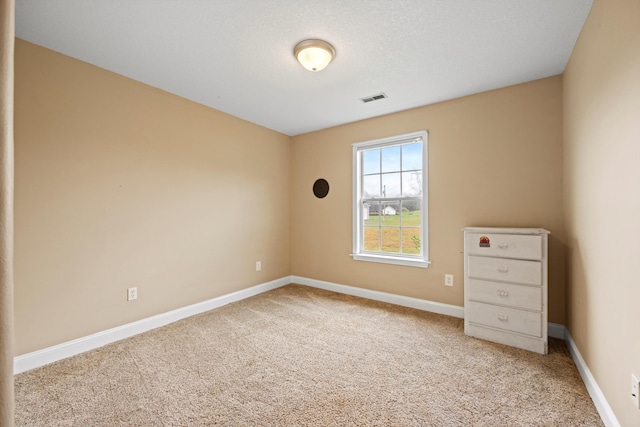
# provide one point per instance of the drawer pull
(503, 245)
(503, 292)
(503, 269)
(503, 317)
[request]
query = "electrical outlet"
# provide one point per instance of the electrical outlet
(448, 279)
(132, 293)
(258, 265)
(635, 389)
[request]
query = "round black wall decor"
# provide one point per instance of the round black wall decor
(321, 188)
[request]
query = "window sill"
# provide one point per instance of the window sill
(409, 262)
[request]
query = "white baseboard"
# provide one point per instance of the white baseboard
(52, 354)
(555, 330)
(45, 356)
(420, 304)
(606, 413)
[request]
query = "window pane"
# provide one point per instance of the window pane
(390, 215)
(411, 217)
(390, 239)
(412, 156)
(391, 185)
(391, 159)
(371, 161)
(372, 239)
(370, 214)
(411, 241)
(412, 205)
(370, 186)
(412, 183)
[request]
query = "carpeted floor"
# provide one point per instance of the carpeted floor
(299, 356)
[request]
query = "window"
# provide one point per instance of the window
(390, 200)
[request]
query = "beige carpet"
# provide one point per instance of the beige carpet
(299, 356)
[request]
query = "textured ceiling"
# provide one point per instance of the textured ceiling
(237, 56)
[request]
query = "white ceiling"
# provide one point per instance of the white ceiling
(237, 55)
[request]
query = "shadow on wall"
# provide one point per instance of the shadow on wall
(557, 280)
(577, 294)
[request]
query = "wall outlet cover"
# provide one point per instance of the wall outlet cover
(448, 279)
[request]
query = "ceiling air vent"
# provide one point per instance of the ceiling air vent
(373, 98)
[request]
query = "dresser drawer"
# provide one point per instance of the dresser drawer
(505, 270)
(509, 319)
(505, 245)
(517, 296)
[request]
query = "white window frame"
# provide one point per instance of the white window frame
(390, 258)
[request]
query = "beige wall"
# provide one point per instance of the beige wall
(602, 203)
(495, 159)
(119, 185)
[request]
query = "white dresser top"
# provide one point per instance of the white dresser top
(505, 230)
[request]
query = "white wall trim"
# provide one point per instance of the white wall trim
(420, 304)
(58, 352)
(52, 354)
(555, 330)
(420, 261)
(606, 413)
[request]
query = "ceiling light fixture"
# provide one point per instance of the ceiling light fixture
(313, 54)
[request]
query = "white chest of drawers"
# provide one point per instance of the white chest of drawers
(505, 286)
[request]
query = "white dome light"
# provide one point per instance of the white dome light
(314, 55)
